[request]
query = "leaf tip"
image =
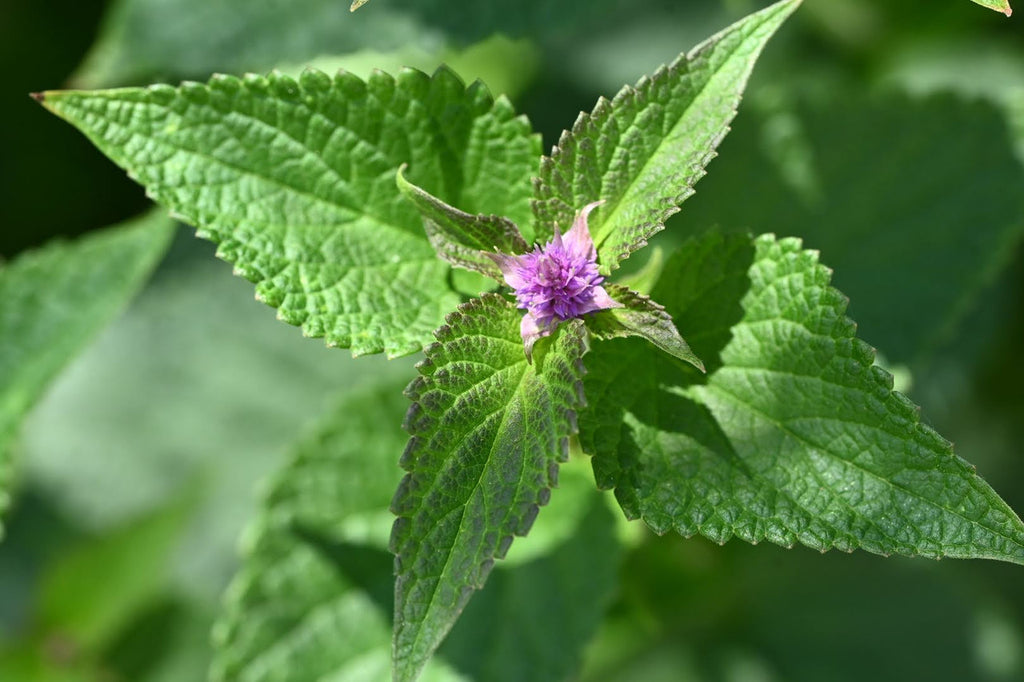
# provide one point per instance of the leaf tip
(38, 96)
(356, 4)
(403, 185)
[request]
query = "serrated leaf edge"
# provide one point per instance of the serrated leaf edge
(285, 87)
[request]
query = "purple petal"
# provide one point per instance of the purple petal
(600, 300)
(531, 330)
(556, 241)
(578, 241)
(515, 269)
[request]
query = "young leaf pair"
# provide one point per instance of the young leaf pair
(553, 283)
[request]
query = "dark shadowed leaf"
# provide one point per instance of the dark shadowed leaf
(912, 239)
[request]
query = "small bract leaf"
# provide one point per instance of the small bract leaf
(52, 302)
(640, 316)
(461, 238)
(487, 433)
(643, 151)
(794, 437)
(294, 180)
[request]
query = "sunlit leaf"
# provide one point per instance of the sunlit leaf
(862, 180)
(643, 151)
(295, 182)
(998, 5)
(794, 436)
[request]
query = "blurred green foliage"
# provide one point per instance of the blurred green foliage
(889, 135)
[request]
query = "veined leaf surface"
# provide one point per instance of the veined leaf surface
(488, 430)
(294, 180)
(794, 436)
(643, 151)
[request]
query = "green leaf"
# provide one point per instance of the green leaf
(145, 40)
(643, 279)
(488, 431)
(506, 66)
(295, 182)
(460, 238)
(643, 151)
(998, 5)
(812, 169)
(90, 594)
(54, 300)
(532, 621)
(314, 597)
(235, 387)
(794, 437)
(305, 605)
(640, 316)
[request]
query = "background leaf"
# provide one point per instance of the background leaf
(691, 610)
(314, 597)
(890, 210)
(795, 437)
(235, 388)
(295, 182)
(487, 433)
(642, 152)
(142, 40)
(91, 594)
(52, 302)
(304, 607)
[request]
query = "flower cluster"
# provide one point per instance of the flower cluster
(556, 282)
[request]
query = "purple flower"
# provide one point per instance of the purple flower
(556, 282)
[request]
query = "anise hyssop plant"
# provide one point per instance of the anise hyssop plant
(348, 202)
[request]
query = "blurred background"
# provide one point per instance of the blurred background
(890, 136)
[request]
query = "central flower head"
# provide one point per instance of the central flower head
(556, 282)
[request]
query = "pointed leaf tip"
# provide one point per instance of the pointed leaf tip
(356, 4)
(334, 229)
(463, 239)
(1001, 6)
(672, 121)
